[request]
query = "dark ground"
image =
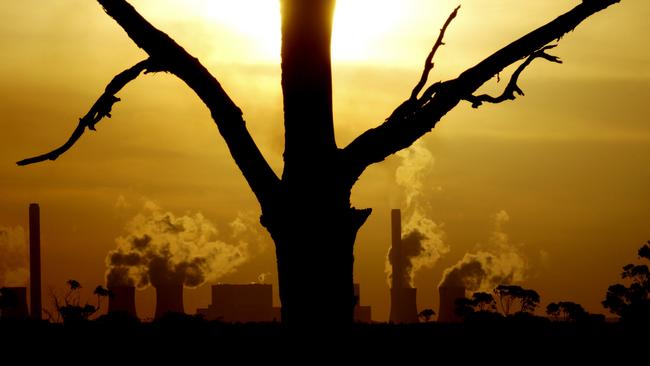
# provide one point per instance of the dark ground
(189, 338)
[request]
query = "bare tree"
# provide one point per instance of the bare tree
(307, 210)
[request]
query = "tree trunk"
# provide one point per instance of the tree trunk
(314, 249)
(312, 223)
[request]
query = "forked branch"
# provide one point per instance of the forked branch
(512, 88)
(414, 118)
(102, 108)
(170, 56)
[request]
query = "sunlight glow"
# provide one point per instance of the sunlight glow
(358, 24)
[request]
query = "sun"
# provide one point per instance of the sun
(359, 25)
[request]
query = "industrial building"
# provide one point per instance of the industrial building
(254, 303)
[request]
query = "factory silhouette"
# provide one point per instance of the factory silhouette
(232, 303)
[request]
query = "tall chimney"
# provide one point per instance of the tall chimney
(169, 299)
(35, 260)
(15, 299)
(122, 300)
(403, 306)
(396, 247)
(447, 309)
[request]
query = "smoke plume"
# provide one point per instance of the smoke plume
(163, 248)
(13, 258)
(422, 239)
(498, 262)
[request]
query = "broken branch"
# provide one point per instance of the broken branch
(512, 88)
(102, 108)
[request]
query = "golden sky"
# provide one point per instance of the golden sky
(568, 162)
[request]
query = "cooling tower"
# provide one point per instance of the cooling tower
(35, 260)
(122, 300)
(403, 305)
(169, 299)
(16, 300)
(241, 303)
(447, 309)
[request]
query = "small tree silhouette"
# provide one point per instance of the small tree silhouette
(70, 309)
(567, 310)
(632, 303)
(426, 314)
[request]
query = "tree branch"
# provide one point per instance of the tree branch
(428, 64)
(102, 108)
(228, 117)
(400, 130)
(512, 88)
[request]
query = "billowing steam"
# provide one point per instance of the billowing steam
(498, 262)
(13, 258)
(162, 248)
(422, 238)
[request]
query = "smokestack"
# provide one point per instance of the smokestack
(35, 260)
(403, 307)
(447, 309)
(122, 300)
(396, 247)
(15, 299)
(169, 299)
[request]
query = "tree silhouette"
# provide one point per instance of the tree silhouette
(307, 210)
(510, 295)
(553, 310)
(568, 310)
(426, 314)
(484, 301)
(632, 303)
(70, 309)
(481, 302)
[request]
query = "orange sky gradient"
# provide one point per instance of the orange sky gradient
(568, 162)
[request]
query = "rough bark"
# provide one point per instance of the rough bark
(308, 211)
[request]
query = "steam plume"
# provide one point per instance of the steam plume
(422, 239)
(162, 248)
(13, 257)
(499, 262)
